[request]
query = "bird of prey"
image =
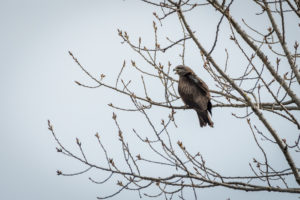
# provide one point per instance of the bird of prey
(194, 93)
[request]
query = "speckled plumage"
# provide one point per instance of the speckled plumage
(194, 93)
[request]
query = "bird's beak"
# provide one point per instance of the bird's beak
(175, 70)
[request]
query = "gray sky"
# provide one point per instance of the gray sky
(37, 83)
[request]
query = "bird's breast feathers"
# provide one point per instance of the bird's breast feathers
(187, 90)
(191, 94)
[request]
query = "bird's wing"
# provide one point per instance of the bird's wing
(203, 101)
(200, 84)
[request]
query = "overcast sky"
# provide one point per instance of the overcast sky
(37, 83)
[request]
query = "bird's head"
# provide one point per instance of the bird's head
(182, 70)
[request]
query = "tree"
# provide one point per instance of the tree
(263, 87)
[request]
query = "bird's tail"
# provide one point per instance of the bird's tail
(204, 118)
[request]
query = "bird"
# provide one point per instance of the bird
(195, 94)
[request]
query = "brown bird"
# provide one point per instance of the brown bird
(194, 93)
